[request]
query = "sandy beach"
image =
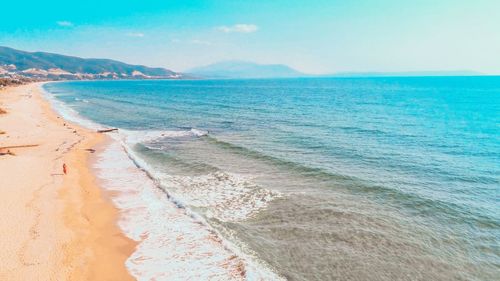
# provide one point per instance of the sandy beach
(53, 226)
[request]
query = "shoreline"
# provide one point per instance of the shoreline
(69, 225)
(172, 240)
(111, 219)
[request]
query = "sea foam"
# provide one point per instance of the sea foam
(224, 196)
(174, 243)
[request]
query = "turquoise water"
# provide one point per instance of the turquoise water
(325, 178)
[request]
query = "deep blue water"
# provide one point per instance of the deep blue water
(414, 162)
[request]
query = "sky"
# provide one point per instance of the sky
(315, 36)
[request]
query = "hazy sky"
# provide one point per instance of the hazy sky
(312, 36)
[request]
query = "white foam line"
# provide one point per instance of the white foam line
(174, 242)
(67, 112)
(255, 270)
(148, 220)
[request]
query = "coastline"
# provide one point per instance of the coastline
(175, 221)
(172, 240)
(54, 226)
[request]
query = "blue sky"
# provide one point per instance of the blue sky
(313, 36)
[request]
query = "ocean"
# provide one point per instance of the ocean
(302, 179)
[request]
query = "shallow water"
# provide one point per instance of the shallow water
(352, 179)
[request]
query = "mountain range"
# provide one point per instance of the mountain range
(53, 66)
(20, 65)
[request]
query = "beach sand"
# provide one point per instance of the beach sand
(53, 226)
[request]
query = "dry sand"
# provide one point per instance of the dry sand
(53, 226)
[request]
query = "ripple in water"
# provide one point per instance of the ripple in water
(321, 179)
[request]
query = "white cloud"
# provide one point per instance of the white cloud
(241, 28)
(135, 34)
(65, 23)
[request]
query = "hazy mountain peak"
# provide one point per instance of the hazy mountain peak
(244, 69)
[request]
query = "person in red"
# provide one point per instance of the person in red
(65, 170)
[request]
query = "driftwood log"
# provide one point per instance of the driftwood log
(107, 130)
(5, 150)
(18, 146)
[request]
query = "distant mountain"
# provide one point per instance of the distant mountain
(407, 73)
(241, 69)
(41, 64)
